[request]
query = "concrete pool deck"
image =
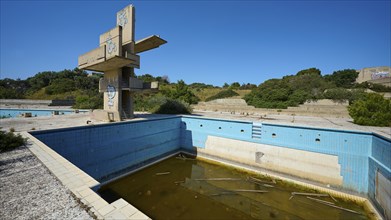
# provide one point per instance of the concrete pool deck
(58, 166)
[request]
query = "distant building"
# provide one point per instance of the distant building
(377, 75)
(95, 74)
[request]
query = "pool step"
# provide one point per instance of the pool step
(257, 131)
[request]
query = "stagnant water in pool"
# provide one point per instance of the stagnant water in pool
(178, 188)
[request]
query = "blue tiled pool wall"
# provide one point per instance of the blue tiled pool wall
(352, 148)
(194, 131)
(12, 113)
(379, 161)
(103, 150)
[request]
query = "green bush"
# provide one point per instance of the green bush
(59, 86)
(163, 105)
(373, 109)
(223, 94)
(89, 102)
(10, 141)
(374, 87)
(182, 92)
(343, 78)
(337, 94)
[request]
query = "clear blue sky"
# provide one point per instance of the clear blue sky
(208, 41)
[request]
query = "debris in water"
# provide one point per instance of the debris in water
(219, 179)
(267, 185)
(252, 181)
(184, 158)
(333, 198)
(321, 201)
(164, 173)
(309, 194)
(181, 158)
(261, 181)
(337, 207)
(249, 190)
(223, 193)
(179, 182)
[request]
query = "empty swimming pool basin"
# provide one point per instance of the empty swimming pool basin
(331, 160)
(12, 113)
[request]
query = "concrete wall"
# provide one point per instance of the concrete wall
(324, 107)
(374, 73)
(102, 151)
(380, 165)
(37, 102)
(349, 150)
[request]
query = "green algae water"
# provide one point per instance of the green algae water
(179, 188)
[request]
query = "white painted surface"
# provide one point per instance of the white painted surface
(308, 165)
(383, 193)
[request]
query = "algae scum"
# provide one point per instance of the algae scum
(184, 188)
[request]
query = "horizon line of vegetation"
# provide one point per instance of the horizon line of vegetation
(288, 91)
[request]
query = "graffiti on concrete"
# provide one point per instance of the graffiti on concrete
(111, 46)
(378, 75)
(110, 95)
(122, 18)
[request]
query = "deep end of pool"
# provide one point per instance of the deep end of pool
(334, 160)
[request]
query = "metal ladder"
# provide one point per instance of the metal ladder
(257, 131)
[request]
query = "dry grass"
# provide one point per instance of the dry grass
(205, 93)
(40, 94)
(243, 92)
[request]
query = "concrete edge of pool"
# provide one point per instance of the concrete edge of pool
(81, 184)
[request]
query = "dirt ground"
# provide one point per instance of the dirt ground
(29, 191)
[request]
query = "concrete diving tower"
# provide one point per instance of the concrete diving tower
(117, 56)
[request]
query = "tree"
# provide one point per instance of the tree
(149, 78)
(182, 92)
(291, 90)
(248, 86)
(226, 85)
(89, 101)
(235, 85)
(172, 106)
(310, 71)
(13, 89)
(339, 95)
(343, 78)
(373, 86)
(59, 86)
(41, 80)
(373, 109)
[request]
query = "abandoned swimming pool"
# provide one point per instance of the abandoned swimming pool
(184, 188)
(13, 113)
(332, 161)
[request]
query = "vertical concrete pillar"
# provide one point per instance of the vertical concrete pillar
(112, 97)
(117, 57)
